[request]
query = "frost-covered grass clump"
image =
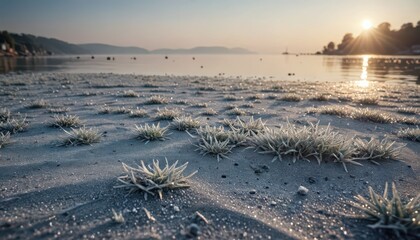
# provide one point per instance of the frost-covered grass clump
(167, 114)
(138, 113)
(364, 114)
(152, 132)
(209, 112)
(184, 123)
(66, 121)
(291, 97)
(394, 215)
(236, 112)
(82, 136)
(157, 100)
(248, 127)
(408, 110)
(152, 179)
(14, 125)
(368, 100)
(130, 93)
(322, 144)
(39, 104)
(218, 141)
(412, 134)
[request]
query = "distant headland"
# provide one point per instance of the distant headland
(379, 40)
(12, 44)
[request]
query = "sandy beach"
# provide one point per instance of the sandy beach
(52, 191)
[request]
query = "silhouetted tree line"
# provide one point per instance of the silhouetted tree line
(12, 44)
(379, 40)
(6, 38)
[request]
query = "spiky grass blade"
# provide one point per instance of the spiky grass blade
(4, 115)
(117, 217)
(4, 139)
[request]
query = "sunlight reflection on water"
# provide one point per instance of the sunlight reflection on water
(363, 82)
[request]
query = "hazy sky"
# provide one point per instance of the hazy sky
(265, 26)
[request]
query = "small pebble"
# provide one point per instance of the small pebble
(302, 190)
(176, 209)
(253, 191)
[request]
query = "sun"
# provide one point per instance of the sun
(367, 24)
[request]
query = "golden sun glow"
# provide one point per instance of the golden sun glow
(367, 24)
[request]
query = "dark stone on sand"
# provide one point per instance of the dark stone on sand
(252, 191)
(223, 176)
(194, 230)
(311, 180)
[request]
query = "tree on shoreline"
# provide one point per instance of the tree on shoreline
(380, 40)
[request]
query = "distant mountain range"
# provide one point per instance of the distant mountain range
(26, 44)
(99, 48)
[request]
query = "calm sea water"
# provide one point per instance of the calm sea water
(401, 69)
